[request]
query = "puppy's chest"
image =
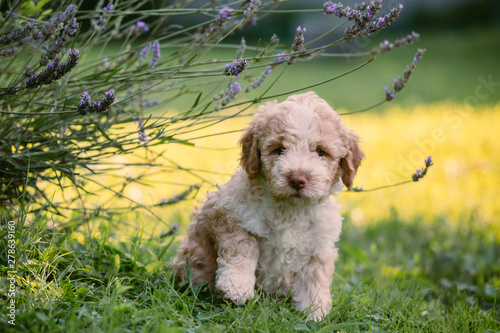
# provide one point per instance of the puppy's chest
(285, 250)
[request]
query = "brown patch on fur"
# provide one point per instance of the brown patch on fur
(199, 248)
(352, 160)
(250, 153)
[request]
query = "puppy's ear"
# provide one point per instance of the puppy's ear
(250, 153)
(350, 163)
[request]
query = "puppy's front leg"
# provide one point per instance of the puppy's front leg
(311, 288)
(238, 254)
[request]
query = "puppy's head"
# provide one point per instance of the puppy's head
(300, 149)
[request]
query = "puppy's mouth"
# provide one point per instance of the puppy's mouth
(298, 192)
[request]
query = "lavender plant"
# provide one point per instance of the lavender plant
(52, 132)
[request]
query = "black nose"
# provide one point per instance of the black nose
(297, 182)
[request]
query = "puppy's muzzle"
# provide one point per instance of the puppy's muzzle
(297, 182)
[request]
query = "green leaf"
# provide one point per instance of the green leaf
(29, 7)
(155, 267)
(171, 139)
(197, 100)
(302, 327)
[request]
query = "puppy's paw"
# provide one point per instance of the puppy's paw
(317, 309)
(237, 288)
(318, 314)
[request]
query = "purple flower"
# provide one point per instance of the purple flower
(331, 8)
(100, 22)
(141, 133)
(85, 99)
(252, 7)
(281, 57)
(389, 96)
(142, 26)
(156, 53)
(400, 82)
(420, 173)
(224, 13)
(110, 92)
(176, 226)
(298, 42)
(258, 82)
(86, 106)
(380, 22)
(428, 161)
(236, 67)
(143, 54)
(227, 95)
(55, 70)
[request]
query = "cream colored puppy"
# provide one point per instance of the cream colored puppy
(274, 224)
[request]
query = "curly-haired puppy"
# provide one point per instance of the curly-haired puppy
(274, 225)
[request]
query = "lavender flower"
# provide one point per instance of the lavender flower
(143, 54)
(215, 28)
(51, 26)
(363, 16)
(85, 100)
(8, 52)
(379, 24)
(18, 35)
(298, 44)
(54, 70)
(249, 13)
(224, 13)
(141, 26)
(241, 49)
(389, 96)
(156, 53)
(236, 67)
(298, 41)
(143, 138)
(227, 95)
(175, 227)
(100, 23)
(275, 39)
(282, 57)
(86, 106)
(420, 173)
(428, 161)
(258, 82)
(400, 82)
(387, 46)
(65, 34)
(137, 29)
(251, 8)
(13, 12)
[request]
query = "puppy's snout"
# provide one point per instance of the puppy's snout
(297, 182)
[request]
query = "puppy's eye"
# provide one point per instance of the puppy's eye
(320, 152)
(279, 151)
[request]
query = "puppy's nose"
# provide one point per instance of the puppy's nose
(297, 182)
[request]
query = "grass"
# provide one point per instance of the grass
(393, 276)
(421, 258)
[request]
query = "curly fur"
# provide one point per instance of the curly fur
(274, 224)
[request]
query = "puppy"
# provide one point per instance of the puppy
(274, 224)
